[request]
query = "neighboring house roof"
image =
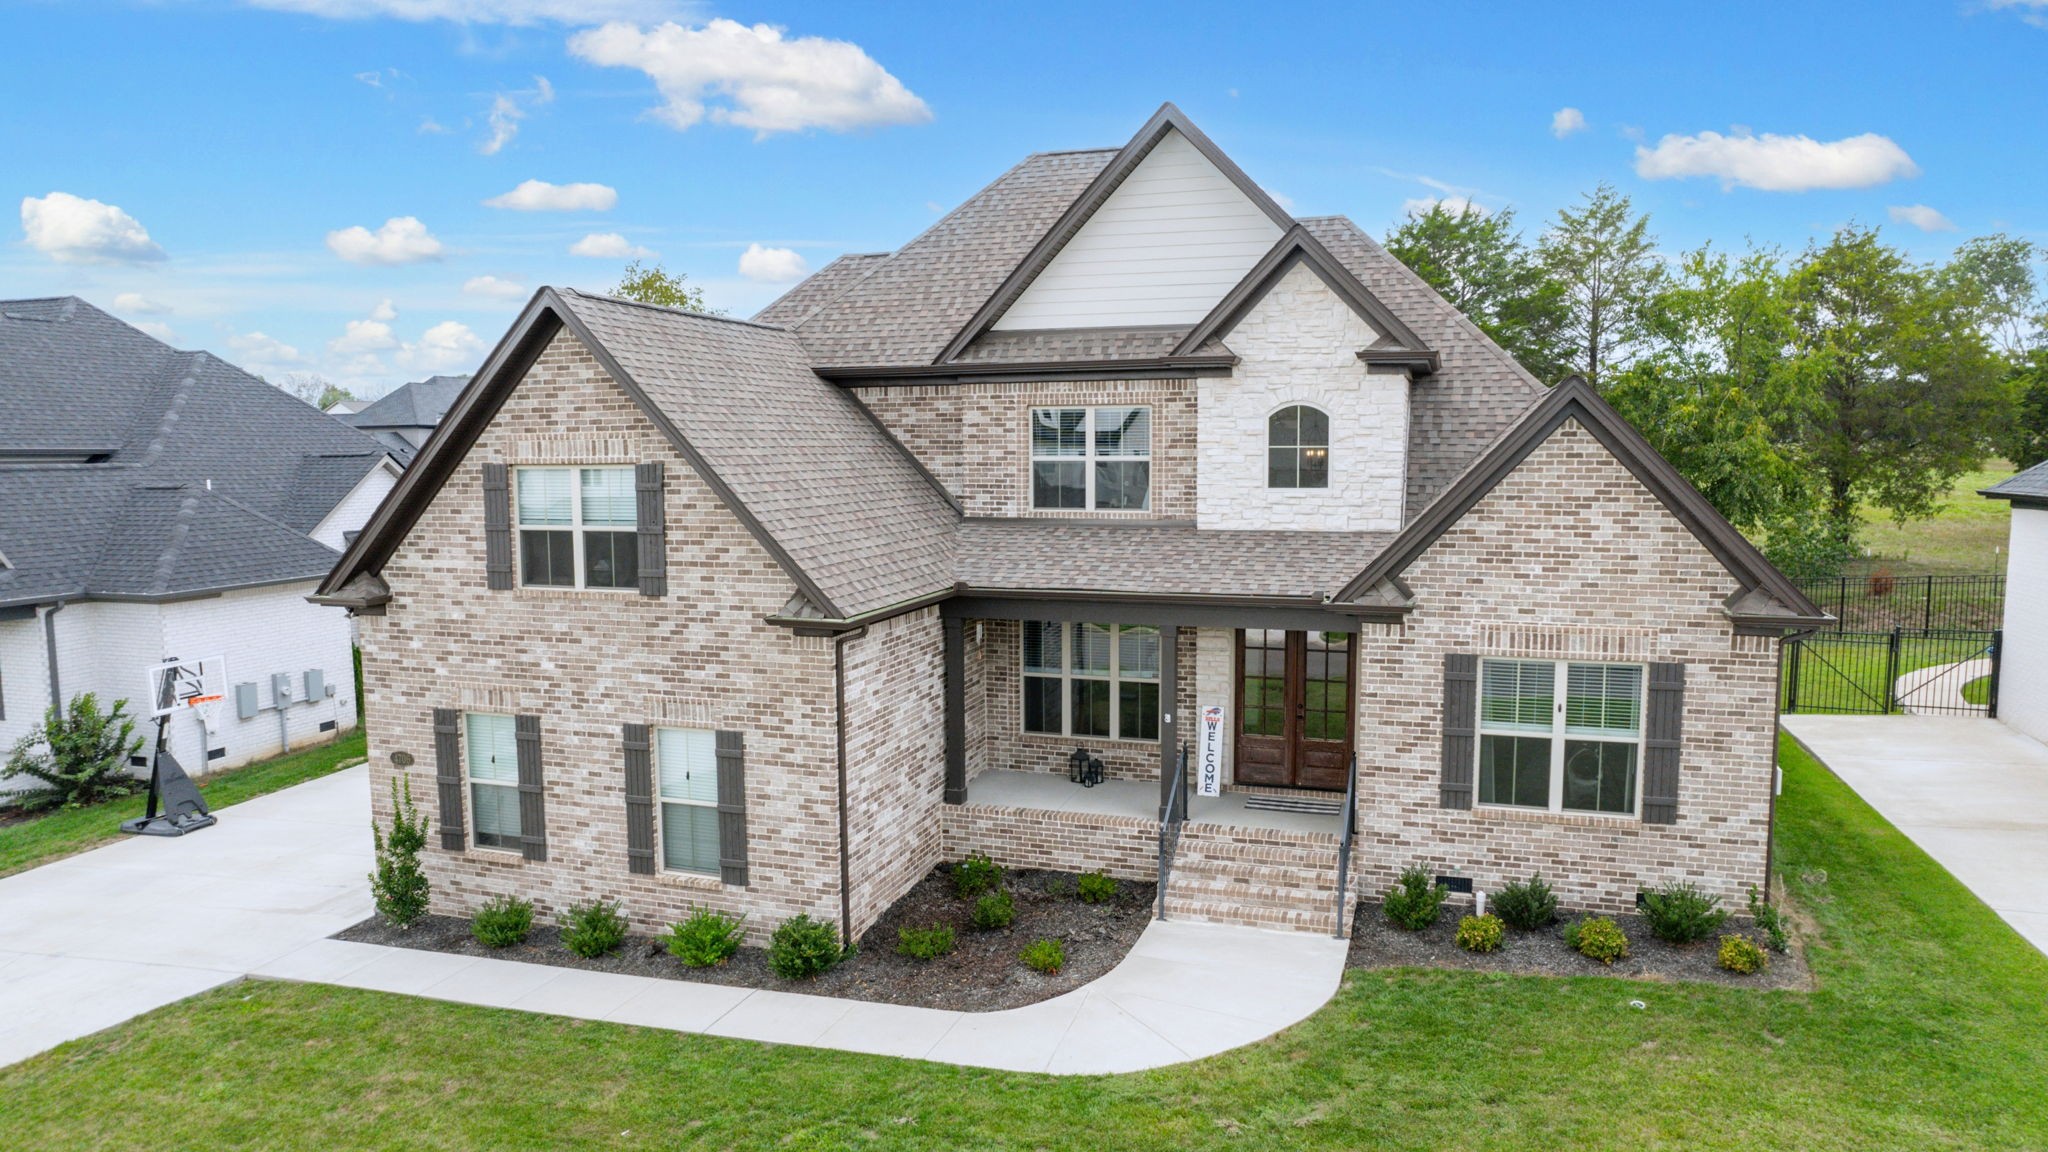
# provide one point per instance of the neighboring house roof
(137, 417)
(420, 404)
(2029, 489)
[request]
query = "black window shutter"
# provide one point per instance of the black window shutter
(647, 481)
(1461, 728)
(637, 740)
(1663, 732)
(533, 822)
(497, 527)
(448, 776)
(732, 809)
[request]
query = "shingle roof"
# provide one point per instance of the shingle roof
(1059, 345)
(1166, 559)
(2029, 485)
(420, 404)
(819, 289)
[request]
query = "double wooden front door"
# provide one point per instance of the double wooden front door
(1294, 708)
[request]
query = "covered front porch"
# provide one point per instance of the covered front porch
(1131, 798)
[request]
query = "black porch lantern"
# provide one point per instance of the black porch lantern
(1084, 769)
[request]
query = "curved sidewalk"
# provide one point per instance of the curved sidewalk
(1186, 990)
(1937, 690)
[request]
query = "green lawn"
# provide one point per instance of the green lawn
(61, 833)
(1929, 1031)
(1842, 674)
(1965, 537)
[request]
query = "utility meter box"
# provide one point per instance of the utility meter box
(316, 684)
(281, 688)
(246, 706)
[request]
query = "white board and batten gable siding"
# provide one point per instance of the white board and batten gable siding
(1172, 239)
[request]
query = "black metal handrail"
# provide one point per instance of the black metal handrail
(1170, 820)
(1344, 842)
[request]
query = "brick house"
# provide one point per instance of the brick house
(774, 615)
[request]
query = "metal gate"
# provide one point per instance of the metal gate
(1940, 672)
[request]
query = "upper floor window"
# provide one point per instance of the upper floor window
(1578, 754)
(1298, 448)
(578, 528)
(1091, 458)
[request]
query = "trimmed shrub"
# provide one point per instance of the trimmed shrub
(925, 943)
(1096, 888)
(1739, 954)
(399, 885)
(1526, 904)
(997, 909)
(1413, 902)
(975, 875)
(1481, 933)
(1597, 939)
(502, 922)
(78, 754)
(1047, 956)
(1769, 921)
(593, 928)
(802, 947)
(1682, 914)
(705, 938)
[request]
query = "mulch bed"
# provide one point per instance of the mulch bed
(1377, 943)
(981, 974)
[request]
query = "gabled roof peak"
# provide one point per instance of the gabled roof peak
(1297, 246)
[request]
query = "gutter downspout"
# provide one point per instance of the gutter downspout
(50, 647)
(839, 723)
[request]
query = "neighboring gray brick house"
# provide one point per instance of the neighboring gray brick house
(774, 615)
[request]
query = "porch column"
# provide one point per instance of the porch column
(955, 646)
(1169, 702)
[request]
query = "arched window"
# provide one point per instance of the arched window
(1298, 448)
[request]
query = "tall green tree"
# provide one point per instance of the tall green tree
(2025, 439)
(1478, 262)
(1901, 389)
(1994, 277)
(1603, 259)
(657, 285)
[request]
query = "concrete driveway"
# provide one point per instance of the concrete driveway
(92, 940)
(1970, 791)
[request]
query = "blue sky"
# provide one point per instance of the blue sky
(300, 185)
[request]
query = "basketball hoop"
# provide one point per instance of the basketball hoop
(207, 708)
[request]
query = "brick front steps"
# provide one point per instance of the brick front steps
(1257, 877)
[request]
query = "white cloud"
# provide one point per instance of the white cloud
(517, 12)
(73, 230)
(541, 196)
(1455, 205)
(384, 311)
(764, 81)
(1566, 121)
(1773, 163)
(494, 288)
(2033, 12)
(137, 302)
(446, 345)
(1921, 216)
(772, 265)
(432, 127)
(509, 108)
(373, 79)
(609, 246)
(263, 354)
(158, 329)
(402, 240)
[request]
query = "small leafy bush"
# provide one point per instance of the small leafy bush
(502, 922)
(399, 885)
(1739, 954)
(1414, 901)
(1481, 933)
(1096, 888)
(1682, 914)
(1597, 939)
(997, 909)
(705, 938)
(1526, 904)
(1769, 921)
(925, 943)
(79, 755)
(975, 875)
(802, 947)
(1047, 956)
(593, 928)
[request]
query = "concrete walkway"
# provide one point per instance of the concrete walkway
(1970, 791)
(89, 941)
(1938, 690)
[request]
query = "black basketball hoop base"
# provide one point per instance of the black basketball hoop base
(184, 809)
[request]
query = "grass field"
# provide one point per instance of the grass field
(1966, 535)
(1928, 1031)
(44, 838)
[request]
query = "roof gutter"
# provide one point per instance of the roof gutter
(1189, 365)
(1421, 363)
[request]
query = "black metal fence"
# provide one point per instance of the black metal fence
(1881, 603)
(1950, 672)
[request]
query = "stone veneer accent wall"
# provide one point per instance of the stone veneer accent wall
(587, 662)
(1299, 345)
(1570, 556)
(976, 438)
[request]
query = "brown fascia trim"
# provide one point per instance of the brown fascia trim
(1299, 246)
(1168, 368)
(835, 626)
(1092, 198)
(1420, 363)
(1575, 400)
(817, 626)
(545, 314)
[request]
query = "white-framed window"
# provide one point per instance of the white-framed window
(1098, 458)
(1298, 448)
(1578, 753)
(686, 780)
(1096, 680)
(491, 753)
(578, 527)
